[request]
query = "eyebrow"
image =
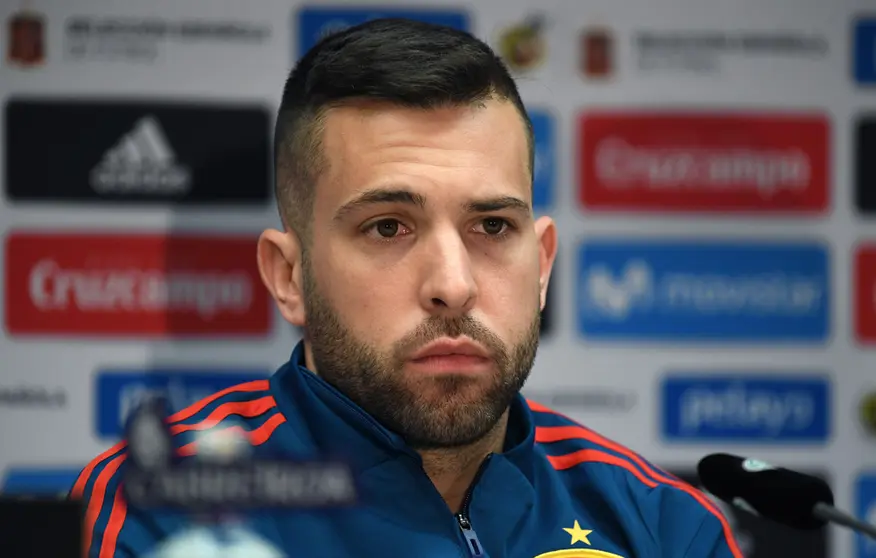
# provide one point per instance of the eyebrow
(379, 196)
(496, 204)
(388, 195)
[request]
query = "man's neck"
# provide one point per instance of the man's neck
(452, 471)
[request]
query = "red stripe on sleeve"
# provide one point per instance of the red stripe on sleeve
(82, 480)
(247, 409)
(256, 437)
(191, 410)
(95, 501)
(114, 526)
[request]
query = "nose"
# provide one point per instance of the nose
(449, 286)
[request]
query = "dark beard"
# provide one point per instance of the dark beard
(376, 382)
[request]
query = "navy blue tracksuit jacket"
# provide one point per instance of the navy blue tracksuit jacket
(558, 490)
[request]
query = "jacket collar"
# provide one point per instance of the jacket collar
(339, 428)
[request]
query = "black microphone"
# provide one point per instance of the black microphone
(784, 496)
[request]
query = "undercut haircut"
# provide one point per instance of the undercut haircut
(401, 62)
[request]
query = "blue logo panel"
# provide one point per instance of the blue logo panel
(746, 408)
(545, 162)
(39, 481)
(864, 51)
(703, 291)
(121, 391)
(316, 22)
(865, 509)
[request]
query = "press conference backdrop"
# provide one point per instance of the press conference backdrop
(711, 166)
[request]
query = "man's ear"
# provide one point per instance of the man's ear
(546, 233)
(279, 258)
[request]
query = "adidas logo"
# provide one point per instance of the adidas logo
(141, 162)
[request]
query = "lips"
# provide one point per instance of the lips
(451, 356)
(451, 348)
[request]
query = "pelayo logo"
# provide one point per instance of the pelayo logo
(746, 407)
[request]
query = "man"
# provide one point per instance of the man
(411, 259)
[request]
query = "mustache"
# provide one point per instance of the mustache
(436, 327)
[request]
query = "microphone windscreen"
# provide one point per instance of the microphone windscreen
(785, 496)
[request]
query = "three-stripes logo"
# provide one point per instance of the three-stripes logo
(131, 152)
(143, 160)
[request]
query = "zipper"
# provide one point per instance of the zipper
(475, 549)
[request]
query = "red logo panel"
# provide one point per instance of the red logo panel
(701, 163)
(864, 304)
(133, 285)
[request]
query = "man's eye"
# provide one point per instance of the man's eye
(494, 225)
(387, 228)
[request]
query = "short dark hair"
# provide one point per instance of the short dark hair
(402, 62)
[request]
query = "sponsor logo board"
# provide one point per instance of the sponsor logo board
(679, 162)
(712, 52)
(116, 284)
(129, 152)
(865, 164)
(44, 481)
(864, 50)
(673, 290)
(522, 45)
(155, 39)
(26, 39)
(865, 509)
(596, 51)
(864, 306)
(745, 407)
(545, 160)
(587, 399)
(316, 22)
(31, 396)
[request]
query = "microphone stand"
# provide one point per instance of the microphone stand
(833, 515)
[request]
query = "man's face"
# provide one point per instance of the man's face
(424, 242)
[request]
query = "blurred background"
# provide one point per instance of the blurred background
(711, 166)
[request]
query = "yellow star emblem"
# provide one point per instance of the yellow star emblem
(578, 534)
